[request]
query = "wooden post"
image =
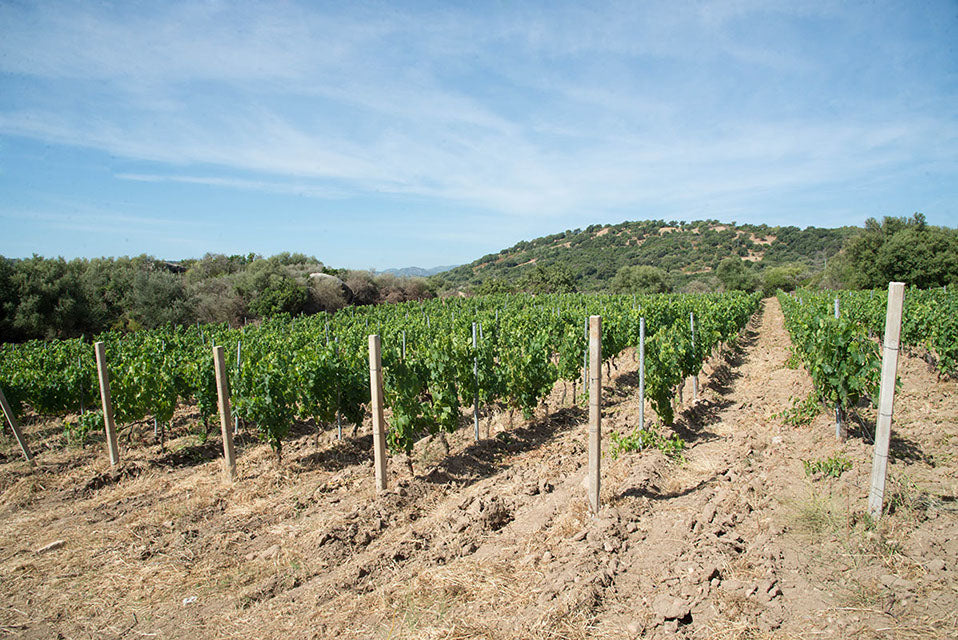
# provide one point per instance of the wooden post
(104, 375)
(886, 397)
(642, 373)
(223, 393)
(376, 395)
(7, 411)
(595, 409)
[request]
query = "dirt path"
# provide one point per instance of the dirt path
(494, 540)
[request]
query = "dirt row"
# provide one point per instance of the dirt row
(494, 540)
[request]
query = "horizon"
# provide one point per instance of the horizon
(378, 136)
(412, 266)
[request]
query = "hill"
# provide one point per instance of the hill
(418, 272)
(686, 251)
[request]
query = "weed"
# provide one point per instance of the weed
(834, 466)
(78, 433)
(818, 515)
(802, 411)
(794, 360)
(902, 494)
(641, 439)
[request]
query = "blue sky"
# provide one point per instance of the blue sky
(382, 135)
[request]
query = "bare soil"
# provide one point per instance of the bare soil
(495, 540)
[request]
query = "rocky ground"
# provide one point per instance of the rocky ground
(494, 540)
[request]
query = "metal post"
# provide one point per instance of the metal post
(585, 360)
(339, 417)
(841, 430)
(695, 377)
(475, 378)
(239, 354)
(642, 373)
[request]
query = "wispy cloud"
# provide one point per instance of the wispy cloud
(522, 110)
(286, 188)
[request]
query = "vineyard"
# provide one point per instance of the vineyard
(720, 517)
(505, 351)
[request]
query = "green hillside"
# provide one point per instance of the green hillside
(685, 251)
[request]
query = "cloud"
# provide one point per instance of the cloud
(285, 188)
(521, 111)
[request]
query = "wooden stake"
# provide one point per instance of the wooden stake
(7, 411)
(226, 426)
(886, 397)
(595, 409)
(103, 373)
(376, 395)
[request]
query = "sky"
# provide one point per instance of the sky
(378, 135)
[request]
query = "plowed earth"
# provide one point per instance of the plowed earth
(494, 540)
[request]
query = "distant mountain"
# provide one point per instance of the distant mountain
(684, 250)
(418, 272)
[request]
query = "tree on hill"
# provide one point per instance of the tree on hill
(551, 279)
(735, 274)
(640, 279)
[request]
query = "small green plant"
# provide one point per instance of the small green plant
(794, 360)
(802, 411)
(640, 439)
(834, 466)
(78, 432)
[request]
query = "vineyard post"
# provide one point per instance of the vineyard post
(7, 411)
(376, 394)
(223, 393)
(404, 344)
(475, 379)
(104, 375)
(595, 409)
(841, 429)
(886, 397)
(642, 373)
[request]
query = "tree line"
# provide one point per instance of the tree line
(55, 298)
